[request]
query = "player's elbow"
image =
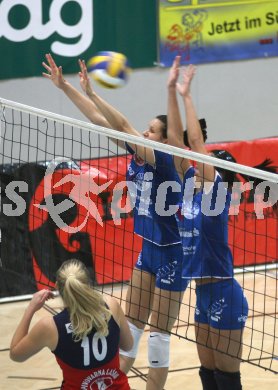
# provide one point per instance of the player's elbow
(175, 140)
(127, 343)
(125, 127)
(130, 343)
(16, 357)
(195, 142)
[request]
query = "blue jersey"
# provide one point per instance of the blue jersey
(205, 237)
(152, 198)
(91, 363)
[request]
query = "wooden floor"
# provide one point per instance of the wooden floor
(41, 372)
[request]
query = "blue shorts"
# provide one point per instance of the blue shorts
(221, 305)
(166, 263)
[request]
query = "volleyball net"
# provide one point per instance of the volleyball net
(64, 195)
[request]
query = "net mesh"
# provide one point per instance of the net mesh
(55, 166)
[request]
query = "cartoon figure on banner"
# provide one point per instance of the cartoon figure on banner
(181, 39)
(175, 38)
(193, 22)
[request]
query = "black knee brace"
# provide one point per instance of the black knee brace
(228, 380)
(207, 378)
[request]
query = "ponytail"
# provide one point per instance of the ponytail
(86, 306)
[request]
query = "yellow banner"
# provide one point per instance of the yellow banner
(212, 30)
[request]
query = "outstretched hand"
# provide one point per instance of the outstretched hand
(174, 72)
(39, 298)
(55, 73)
(84, 78)
(188, 75)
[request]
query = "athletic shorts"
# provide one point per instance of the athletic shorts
(165, 262)
(221, 305)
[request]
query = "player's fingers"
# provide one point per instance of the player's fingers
(51, 61)
(47, 75)
(80, 64)
(85, 69)
(177, 61)
(192, 69)
(46, 67)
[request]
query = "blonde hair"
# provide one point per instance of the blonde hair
(86, 306)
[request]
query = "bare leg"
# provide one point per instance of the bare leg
(227, 345)
(166, 306)
(157, 378)
(126, 363)
(222, 362)
(205, 353)
(206, 356)
(138, 306)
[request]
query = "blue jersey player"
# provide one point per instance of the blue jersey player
(221, 307)
(156, 288)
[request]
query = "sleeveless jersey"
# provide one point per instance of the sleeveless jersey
(205, 237)
(151, 201)
(92, 363)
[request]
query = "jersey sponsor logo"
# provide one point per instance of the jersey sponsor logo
(242, 318)
(189, 233)
(189, 250)
(131, 172)
(167, 273)
(69, 328)
(216, 310)
(190, 210)
(139, 261)
(100, 380)
(143, 206)
(197, 311)
(140, 177)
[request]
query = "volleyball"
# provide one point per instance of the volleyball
(109, 69)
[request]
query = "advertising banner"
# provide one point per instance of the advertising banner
(73, 29)
(204, 31)
(33, 247)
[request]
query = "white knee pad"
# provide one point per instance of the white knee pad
(137, 334)
(159, 349)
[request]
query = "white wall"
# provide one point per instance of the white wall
(238, 99)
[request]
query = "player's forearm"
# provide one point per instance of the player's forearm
(22, 329)
(85, 105)
(175, 127)
(117, 120)
(194, 131)
(196, 140)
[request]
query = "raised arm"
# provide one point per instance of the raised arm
(194, 132)
(175, 126)
(82, 102)
(116, 119)
(27, 343)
